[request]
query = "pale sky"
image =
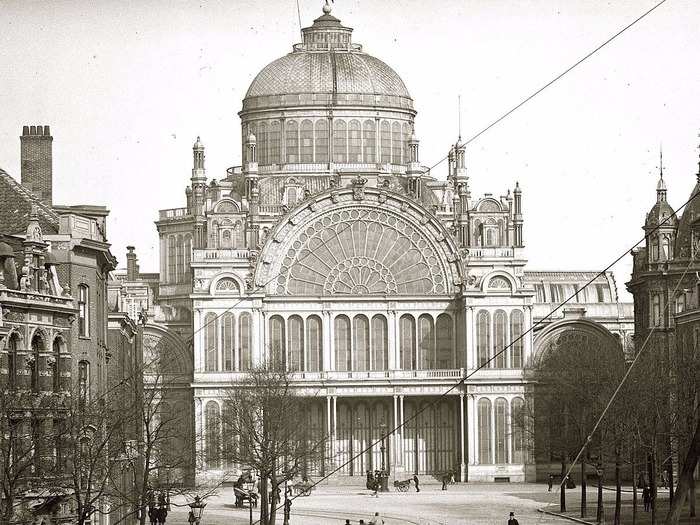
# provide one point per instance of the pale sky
(127, 86)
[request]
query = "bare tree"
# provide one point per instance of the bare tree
(262, 415)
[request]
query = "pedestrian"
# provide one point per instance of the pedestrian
(550, 482)
(664, 479)
(347, 521)
(512, 520)
(370, 481)
(152, 513)
(646, 498)
(377, 520)
(415, 480)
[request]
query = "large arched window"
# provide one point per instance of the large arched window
(360, 347)
(37, 347)
(228, 340)
(407, 347)
(396, 144)
(354, 141)
(84, 310)
(278, 349)
(295, 343)
(483, 341)
(321, 139)
(83, 381)
(188, 258)
(426, 342)
(274, 143)
(340, 141)
(517, 431)
(262, 143)
(180, 258)
(380, 343)
(12, 348)
(445, 342)
(172, 258)
(385, 143)
(292, 136)
(244, 341)
(306, 146)
(499, 338)
(405, 137)
(56, 366)
(314, 344)
(213, 435)
(516, 332)
(342, 343)
(210, 343)
(484, 423)
(369, 139)
(501, 414)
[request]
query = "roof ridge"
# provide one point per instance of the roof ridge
(48, 213)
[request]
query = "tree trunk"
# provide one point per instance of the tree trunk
(691, 496)
(651, 468)
(618, 488)
(562, 491)
(583, 488)
(599, 513)
(273, 499)
(685, 480)
(634, 484)
(263, 499)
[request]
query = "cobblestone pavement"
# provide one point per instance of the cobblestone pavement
(473, 504)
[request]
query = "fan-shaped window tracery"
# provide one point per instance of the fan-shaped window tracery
(356, 253)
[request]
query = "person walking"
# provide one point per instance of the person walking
(550, 482)
(415, 480)
(512, 520)
(376, 520)
(646, 498)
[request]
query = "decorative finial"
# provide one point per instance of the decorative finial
(327, 8)
(459, 118)
(698, 174)
(661, 161)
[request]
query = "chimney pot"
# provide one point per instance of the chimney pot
(32, 130)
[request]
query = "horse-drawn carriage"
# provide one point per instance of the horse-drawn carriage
(402, 486)
(302, 488)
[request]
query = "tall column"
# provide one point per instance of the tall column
(329, 442)
(396, 347)
(493, 432)
(283, 141)
(197, 340)
(334, 430)
(401, 434)
(509, 429)
(463, 465)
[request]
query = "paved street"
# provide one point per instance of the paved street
(473, 504)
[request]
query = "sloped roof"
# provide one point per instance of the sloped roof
(15, 207)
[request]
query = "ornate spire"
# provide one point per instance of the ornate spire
(661, 185)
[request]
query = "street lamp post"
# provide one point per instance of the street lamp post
(382, 448)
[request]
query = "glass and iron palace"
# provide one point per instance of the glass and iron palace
(333, 250)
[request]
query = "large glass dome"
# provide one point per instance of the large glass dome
(327, 68)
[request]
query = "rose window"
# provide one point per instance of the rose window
(361, 252)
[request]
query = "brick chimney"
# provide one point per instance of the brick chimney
(132, 269)
(37, 171)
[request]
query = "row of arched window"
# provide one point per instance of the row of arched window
(227, 342)
(499, 343)
(32, 361)
(361, 343)
(353, 141)
(177, 261)
(501, 437)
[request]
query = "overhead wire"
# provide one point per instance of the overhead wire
(554, 80)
